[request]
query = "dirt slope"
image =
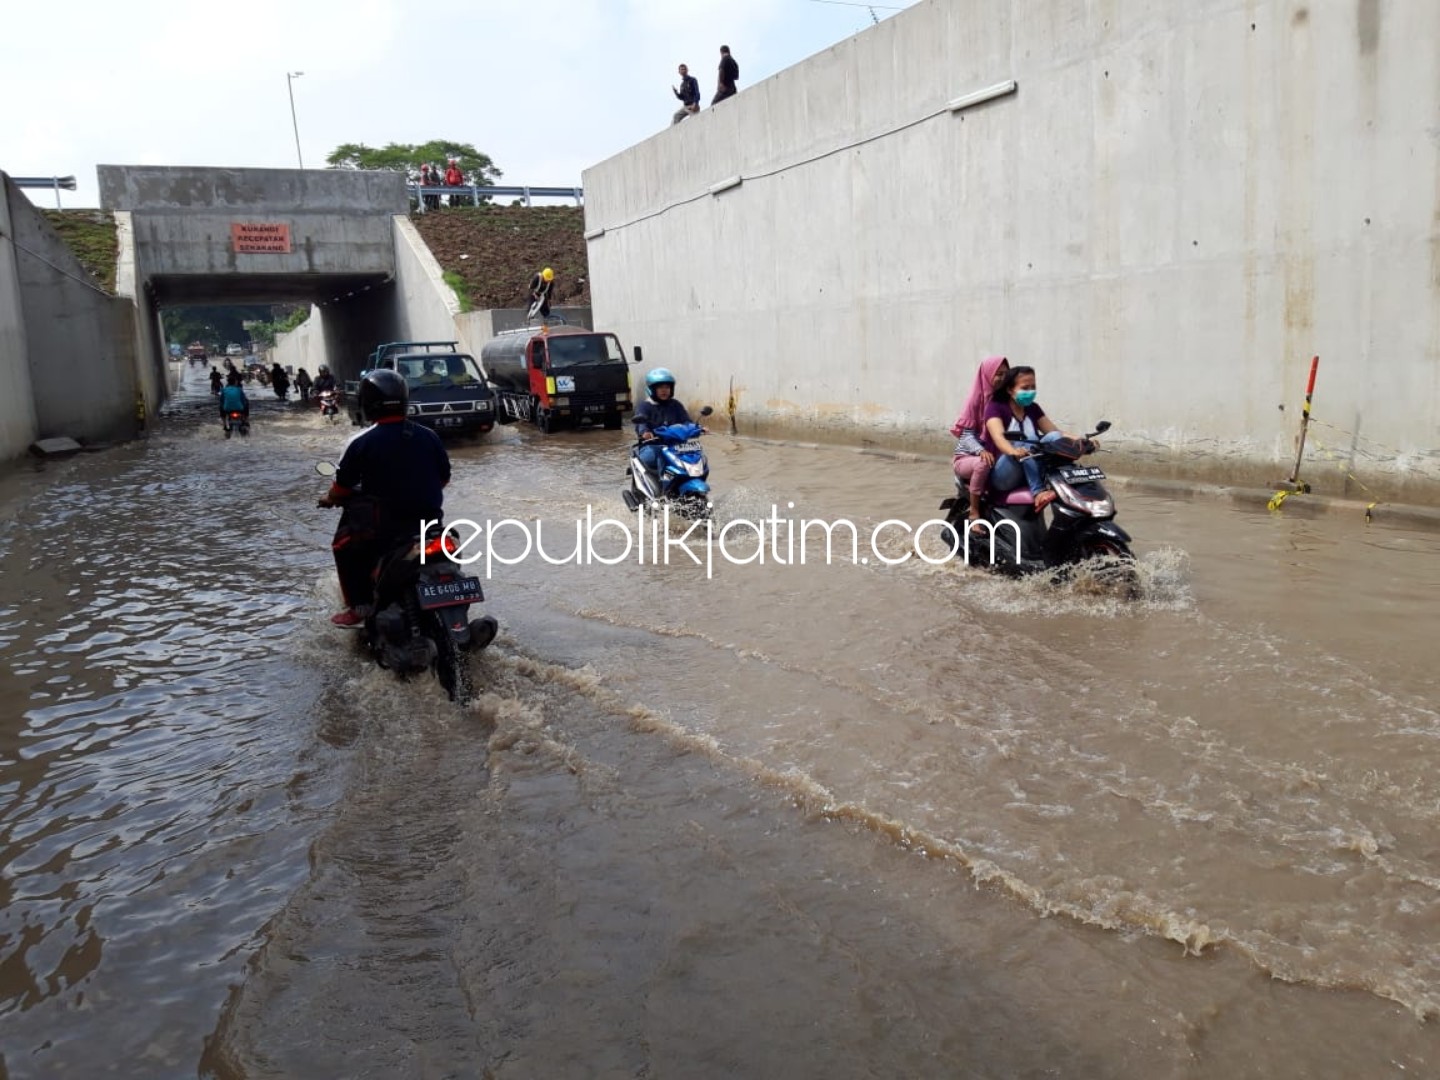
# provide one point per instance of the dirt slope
(506, 245)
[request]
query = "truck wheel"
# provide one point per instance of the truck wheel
(545, 421)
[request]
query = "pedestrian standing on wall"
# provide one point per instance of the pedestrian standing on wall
(729, 73)
(455, 178)
(432, 202)
(689, 94)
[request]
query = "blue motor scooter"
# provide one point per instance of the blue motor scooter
(682, 479)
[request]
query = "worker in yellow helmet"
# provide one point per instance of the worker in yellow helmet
(541, 286)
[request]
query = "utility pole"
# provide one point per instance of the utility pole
(290, 77)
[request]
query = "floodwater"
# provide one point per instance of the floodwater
(773, 820)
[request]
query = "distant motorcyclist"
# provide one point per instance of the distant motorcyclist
(217, 381)
(660, 409)
(391, 477)
(303, 384)
(279, 381)
(233, 399)
(323, 381)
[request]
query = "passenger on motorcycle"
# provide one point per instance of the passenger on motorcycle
(972, 461)
(233, 399)
(1016, 431)
(391, 477)
(660, 409)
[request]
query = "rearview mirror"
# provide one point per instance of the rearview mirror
(1102, 427)
(638, 356)
(326, 468)
(706, 411)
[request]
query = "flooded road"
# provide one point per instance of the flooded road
(844, 820)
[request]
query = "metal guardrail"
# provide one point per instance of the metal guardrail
(524, 194)
(54, 182)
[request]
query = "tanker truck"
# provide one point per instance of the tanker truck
(559, 377)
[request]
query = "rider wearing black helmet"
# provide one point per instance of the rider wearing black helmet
(391, 478)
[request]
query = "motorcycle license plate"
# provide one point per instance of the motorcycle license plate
(451, 593)
(1080, 474)
(687, 448)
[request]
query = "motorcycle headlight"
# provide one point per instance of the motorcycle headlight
(695, 468)
(1101, 507)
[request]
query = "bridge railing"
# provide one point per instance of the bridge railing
(524, 194)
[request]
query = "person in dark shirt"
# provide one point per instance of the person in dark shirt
(660, 409)
(541, 286)
(729, 72)
(391, 478)
(323, 381)
(689, 94)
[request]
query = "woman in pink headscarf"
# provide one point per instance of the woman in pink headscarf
(973, 461)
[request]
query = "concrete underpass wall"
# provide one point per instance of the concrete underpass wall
(17, 409)
(425, 306)
(1181, 205)
(80, 341)
(151, 358)
(303, 347)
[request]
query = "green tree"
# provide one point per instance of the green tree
(407, 158)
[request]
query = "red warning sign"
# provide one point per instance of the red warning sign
(259, 237)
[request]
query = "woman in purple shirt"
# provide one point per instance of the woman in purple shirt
(1015, 427)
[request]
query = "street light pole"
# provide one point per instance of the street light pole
(290, 77)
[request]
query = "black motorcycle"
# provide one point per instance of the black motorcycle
(1082, 526)
(419, 618)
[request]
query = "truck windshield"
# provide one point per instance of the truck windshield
(428, 371)
(583, 350)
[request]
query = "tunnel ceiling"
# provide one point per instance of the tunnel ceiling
(189, 289)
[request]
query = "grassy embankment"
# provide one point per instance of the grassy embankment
(91, 235)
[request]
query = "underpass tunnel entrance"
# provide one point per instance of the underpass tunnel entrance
(334, 320)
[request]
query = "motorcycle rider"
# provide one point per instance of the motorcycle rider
(233, 399)
(217, 381)
(303, 383)
(1016, 430)
(660, 409)
(391, 477)
(323, 381)
(279, 381)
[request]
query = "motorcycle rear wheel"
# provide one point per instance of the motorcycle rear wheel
(451, 669)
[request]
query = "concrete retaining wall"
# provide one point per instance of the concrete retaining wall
(17, 410)
(79, 340)
(1181, 205)
(303, 347)
(477, 327)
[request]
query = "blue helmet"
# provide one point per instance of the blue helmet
(658, 376)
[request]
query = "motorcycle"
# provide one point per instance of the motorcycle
(235, 420)
(419, 617)
(682, 480)
(329, 406)
(1082, 526)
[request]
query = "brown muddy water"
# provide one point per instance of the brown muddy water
(819, 821)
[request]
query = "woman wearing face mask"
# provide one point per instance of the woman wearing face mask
(1015, 427)
(972, 460)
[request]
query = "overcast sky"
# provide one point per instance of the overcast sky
(546, 89)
